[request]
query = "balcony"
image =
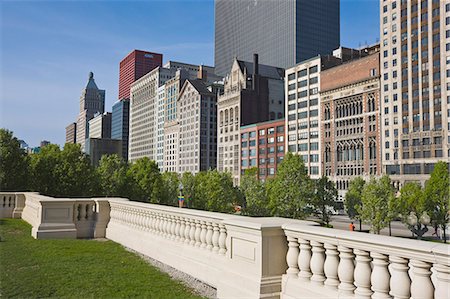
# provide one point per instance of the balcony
(245, 257)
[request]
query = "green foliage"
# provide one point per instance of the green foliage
(76, 269)
(112, 175)
(170, 190)
(146, 181)
(13, 163)
(411, 199)
(353, 197)
(376, 197)
(214, 191)
(291, 189)
(254, 192)
(188, 181)
(437, 190)
(66, 173)
(323, 201)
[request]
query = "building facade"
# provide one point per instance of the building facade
(135, 65)
(120, 120)
(92, 101)
(263, 147)
(415, 105)
(160, 127)
(100, 126)
(350, 140)
(97, 147)
(144, 114)
(252, 93)
(302, 86)
(197, 127)
(71, 133)
(283, 33)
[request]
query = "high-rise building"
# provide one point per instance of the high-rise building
(197, 127)
(144, 114)
(97, 147)
(44, 143)
(120, 120)
(415, 87)
(135, 65)
(263, 147)
(71, 133)
(92, 101)
(252, 93)
(350, 140)
(100, 126)
(283, 33)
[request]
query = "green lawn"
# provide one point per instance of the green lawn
(32, 268)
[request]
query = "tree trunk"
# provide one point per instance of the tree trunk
(445, 237)
(360, 225)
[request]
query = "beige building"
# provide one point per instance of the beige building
(92, 101)
(100, 126)
(415, 87)
(252, 93)
(144, 114)
(197, 118)
(71, 133)
(350, 121)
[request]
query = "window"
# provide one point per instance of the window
(302, 147)
(313, 69)
(270, 140)
(270, 131)
(262, 132)
(301, 73)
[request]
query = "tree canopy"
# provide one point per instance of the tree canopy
(14, 172)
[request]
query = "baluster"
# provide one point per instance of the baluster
(215, 237)
(380, 275)
(148, 221)
(209, 234)
(292, 256)
(203, 235)
(167, 226)
(156, 225)
(180, 229)
(82, 212)
(173, 226)
(443, 281)
(421, 285)
(331, 266)
(187, 229)
(346, 271)
(222, 239)
(400, 281)
(363, 272)
(161, 224)
(317, 263)
(198, 230)
(304, 259)
(192, 232)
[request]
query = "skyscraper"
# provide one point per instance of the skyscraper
(283, 33)
(120, 121)
(134, 66)
(92, 101)
(415, 87)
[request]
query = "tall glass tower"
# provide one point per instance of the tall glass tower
(283, 33)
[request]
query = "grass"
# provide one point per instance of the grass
(32, 268)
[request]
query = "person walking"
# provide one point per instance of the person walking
(351, 227)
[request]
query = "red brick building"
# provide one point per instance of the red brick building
(134, 66)
(263, 147)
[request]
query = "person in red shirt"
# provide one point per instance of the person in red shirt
(352, 227)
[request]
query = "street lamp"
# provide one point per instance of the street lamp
(418, 225)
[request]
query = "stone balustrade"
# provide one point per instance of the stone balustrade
(328, 263)
(247, 257)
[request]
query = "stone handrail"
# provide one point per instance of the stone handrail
(329, 263)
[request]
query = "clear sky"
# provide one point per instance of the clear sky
(48, 48)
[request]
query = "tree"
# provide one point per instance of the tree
(170, 190)
(290, 190)
(188, 181)
(112, 174)
(255, 195)
(44, 177)
(215, 192)
(353, 199)
(323, 201)
(437, 190)
(146, 181)
(375, 203)
(75, 173)
(411, 200)
(14, 171)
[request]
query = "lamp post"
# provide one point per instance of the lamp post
(418, 225)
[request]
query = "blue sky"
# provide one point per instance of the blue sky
(47, 49)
